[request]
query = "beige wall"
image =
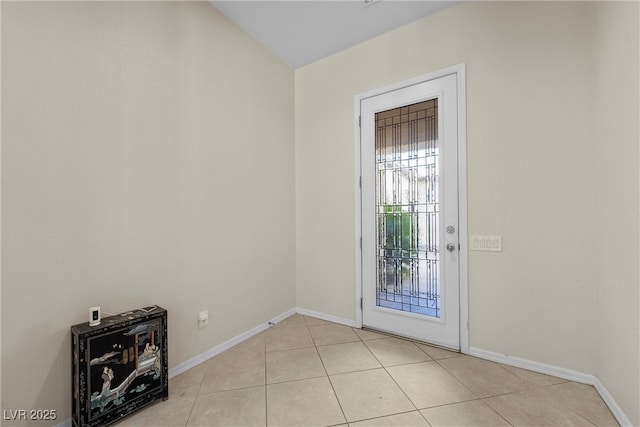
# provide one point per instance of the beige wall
(147, 158)
(532, 178)
(130, 177)
(527, 103)
(617, 112)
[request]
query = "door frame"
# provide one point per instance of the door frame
(460, 72)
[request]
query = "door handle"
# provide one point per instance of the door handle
(451, 247)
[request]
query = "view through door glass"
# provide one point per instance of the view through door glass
(407, 208)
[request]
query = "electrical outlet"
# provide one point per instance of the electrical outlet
(486, 243)
(203, 318)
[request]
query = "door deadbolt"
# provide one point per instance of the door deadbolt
(451, 229)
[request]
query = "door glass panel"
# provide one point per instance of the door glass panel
(407, 208)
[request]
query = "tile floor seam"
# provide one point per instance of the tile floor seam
(495, 410)
(289, 349)
(195, 399)
(450, 403)
(339, 374)
(442, 405)
(456, 378)
(266, 396)
(398, 385)
(558, 404)
(331, 345)
(390, 415)
(193, 405)
(423, 417)
(492, 409)
(498, 395)
(394, 380)
(517, 391)
(372, 339)
(584, 418)
(206, 393)
(431, 359)
(297, 380)
(344, 416)
(532, 386)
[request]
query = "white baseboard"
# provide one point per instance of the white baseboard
(555, 371)
(542, 368)
(327, 317)
(617, 412)
(214, 351)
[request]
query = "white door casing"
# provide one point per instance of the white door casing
(450, 327)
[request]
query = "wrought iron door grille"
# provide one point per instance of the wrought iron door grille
(407, 208)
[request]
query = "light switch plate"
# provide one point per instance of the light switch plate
(486, 243)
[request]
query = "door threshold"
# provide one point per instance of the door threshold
(394, 335)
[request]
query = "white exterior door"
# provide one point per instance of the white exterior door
(409, 211)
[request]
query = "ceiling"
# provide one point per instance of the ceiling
(303, 31)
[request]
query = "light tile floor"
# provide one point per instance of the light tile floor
(309, 372)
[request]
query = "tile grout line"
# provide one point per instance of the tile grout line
(394, 414)
(479, 397)
(361, 340)
(266, 398)
(193, 405)
(382, 366)
(197, 396)
(398, 385)
(431, 360)
(327, 375)
(226, 390)
(544, 386)
(456, 378)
